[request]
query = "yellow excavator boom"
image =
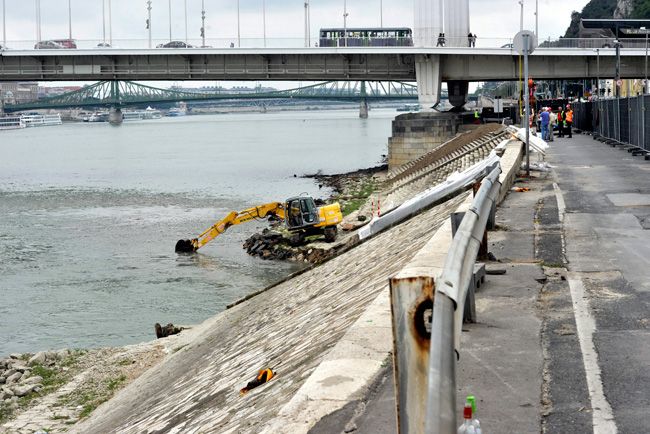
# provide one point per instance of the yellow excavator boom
(235, 218)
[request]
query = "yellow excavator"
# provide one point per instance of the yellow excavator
(300, 215)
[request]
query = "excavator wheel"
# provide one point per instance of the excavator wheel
(330, 234)
(184, 246)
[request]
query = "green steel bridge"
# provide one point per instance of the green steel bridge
(120, 94)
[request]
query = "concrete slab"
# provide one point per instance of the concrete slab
(629, 199)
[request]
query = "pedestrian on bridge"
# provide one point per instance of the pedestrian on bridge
(441, 40)
(471, 39)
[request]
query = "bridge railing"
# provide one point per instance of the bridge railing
(289, 43)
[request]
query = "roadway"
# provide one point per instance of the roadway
(316, 64)
(560, 348)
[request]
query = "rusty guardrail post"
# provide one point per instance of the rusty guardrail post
(412, 292)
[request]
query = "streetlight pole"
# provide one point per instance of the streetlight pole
(646, 62)
(345, 23)
(521, 18)
(203, 22)
(110, 23)
(598, 72)
(38, 20)
(264, 20)
(537, 19)
(170, 19)
(381, 13)
(69, 19)
(104, 21)
(185, 4)
(526, 90)
(238, 27)
(307, 25)
(4, 24)
(149, 20)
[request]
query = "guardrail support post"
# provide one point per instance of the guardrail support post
(411, 300)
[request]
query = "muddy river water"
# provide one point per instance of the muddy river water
(89, 215)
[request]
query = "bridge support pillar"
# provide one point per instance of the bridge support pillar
(458, 90)
(415, 134)
(427, 72)
(363, 109)
(115, 116)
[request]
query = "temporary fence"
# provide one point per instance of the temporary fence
(625, 120)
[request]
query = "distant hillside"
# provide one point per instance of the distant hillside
(641, 9)
(593, 9)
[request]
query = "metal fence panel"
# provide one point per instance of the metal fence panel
(624, 120)
(646, 122)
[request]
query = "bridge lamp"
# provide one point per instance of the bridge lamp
(4, 25)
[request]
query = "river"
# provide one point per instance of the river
(90, 214)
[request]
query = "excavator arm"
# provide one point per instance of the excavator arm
(233, 218)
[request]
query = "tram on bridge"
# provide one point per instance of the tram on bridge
(366, 37)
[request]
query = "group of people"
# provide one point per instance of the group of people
(442, 40)
(563, 118)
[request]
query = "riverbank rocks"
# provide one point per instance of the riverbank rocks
(274, 245)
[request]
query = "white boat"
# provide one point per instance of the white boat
(139, 115)
(11, 122)
(42, 120)
(175, 111)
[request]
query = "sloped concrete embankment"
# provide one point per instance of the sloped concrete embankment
(294, 328)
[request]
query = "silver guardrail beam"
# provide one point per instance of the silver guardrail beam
(448, 308)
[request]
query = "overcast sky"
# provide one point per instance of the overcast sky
(285, 18)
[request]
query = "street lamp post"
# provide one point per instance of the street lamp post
(38, 20)
(69, 19)
(110, 23)
(4, 25)
(646, 62)
(185, 5)
(521, 17)
(238, 27)
(598, 72)
(537, 19)
(307, 25)
(149, 20)
(104, 21)
(345, 23)
(264, 21)
(203, 22)
(381, 13)
(170, 20)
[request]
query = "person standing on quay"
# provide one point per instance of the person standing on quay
(545, 119)
(568, 119)
(560, 122)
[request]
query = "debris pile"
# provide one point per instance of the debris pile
(271, 244)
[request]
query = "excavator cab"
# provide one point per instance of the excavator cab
(301, 212)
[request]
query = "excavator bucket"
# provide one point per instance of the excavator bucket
(184, 246)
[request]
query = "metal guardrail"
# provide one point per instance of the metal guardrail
(258, 43)
(449, 305)
(427, 318)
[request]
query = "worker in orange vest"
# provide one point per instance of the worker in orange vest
(568, 119)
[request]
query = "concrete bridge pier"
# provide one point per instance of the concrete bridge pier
(115, 116)
(458, 91)
(363, 109)
(428, 75)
